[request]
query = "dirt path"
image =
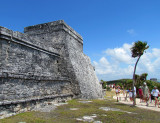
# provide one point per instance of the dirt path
(151, 106)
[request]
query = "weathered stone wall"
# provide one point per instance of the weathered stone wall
(26, 69)
(55, 33)
(84, 71)
(20, 55)
(18, 88)
(29, 71)
(70, 46)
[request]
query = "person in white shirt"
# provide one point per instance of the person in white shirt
(130, 94)
(155, 93)
(134, 90)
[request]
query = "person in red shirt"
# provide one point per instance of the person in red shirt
(140, 93)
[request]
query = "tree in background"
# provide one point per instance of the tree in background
(139, 79)
(137, 50)
(129, 83)
(143, 76)
(104, 83)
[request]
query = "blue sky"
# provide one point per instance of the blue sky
(108, 28)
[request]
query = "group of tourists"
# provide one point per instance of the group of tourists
(145, 95)
(111, 86)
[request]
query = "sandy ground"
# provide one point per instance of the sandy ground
(151, 106)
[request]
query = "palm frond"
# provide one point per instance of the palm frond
(139, 48)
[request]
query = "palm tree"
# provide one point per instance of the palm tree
(137, 50)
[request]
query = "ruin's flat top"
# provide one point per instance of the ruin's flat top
(55, 25)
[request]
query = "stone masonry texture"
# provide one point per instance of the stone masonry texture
(46, 61)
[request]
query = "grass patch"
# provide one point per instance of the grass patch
(28, 117)
(110, 94)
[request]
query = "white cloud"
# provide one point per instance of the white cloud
(103, 67)
(121, 54)
(117, 63)
(131, 32)
(156, 52)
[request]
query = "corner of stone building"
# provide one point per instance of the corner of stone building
(58, 34)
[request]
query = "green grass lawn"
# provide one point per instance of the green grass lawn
(63, 114)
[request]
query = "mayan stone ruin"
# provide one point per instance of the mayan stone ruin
(45, 64)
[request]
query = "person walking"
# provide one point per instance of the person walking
(130, 94)
(140, 93)
(145, 93)
(116, 88)
(155, 93)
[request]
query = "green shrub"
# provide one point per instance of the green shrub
(104, 85)
(108, 88)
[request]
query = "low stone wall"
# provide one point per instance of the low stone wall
(10, 108)
(15, 87)
(20, 93)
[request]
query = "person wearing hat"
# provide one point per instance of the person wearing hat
(145, 93)
(155, 93)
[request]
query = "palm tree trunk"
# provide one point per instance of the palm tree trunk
(134, 100)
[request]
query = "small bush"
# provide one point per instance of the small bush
(104, 85)
(108, 88)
